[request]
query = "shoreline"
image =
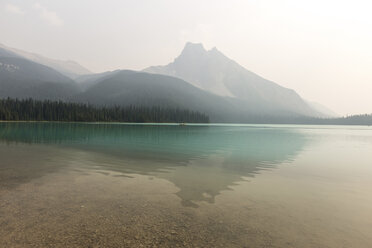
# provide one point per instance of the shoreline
(191, 123)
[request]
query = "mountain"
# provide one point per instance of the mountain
(22, 78)
(214, 72)
(198, 80)
(144, 89)
(88, 80)
(7, 53)
(68, 68)
(323, 109)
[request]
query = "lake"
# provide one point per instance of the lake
(121, 185)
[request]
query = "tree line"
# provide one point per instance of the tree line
(363, 119)
(35, 110)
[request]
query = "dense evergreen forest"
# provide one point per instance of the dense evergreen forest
(33, 110)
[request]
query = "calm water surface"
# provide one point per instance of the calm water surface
(112, 185)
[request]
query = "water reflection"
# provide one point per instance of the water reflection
(202, 161)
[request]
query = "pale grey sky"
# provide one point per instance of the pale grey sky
(320, 48)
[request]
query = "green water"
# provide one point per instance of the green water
(115, 185)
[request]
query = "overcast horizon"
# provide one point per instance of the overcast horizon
(321, 49)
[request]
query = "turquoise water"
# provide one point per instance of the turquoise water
(116, 185)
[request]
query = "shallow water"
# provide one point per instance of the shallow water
(113, 185)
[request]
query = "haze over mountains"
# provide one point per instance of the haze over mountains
(68, 68)
(214, 72)
(22, 78)
(200, 80)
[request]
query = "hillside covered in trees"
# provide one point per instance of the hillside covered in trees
(33, 110)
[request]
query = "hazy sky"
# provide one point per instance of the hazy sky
(320, 48)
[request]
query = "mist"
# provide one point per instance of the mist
(321, 49)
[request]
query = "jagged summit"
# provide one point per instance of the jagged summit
(196, 53)
(212, 71)
(190, 46)
(214, 50)
(192, 51)
(197, 49)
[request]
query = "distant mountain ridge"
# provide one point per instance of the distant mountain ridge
(69, 68)
(198, 80)
(125, 87)
(214, 72)
(22, 78)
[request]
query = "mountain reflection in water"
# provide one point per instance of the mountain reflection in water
(202, 161)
